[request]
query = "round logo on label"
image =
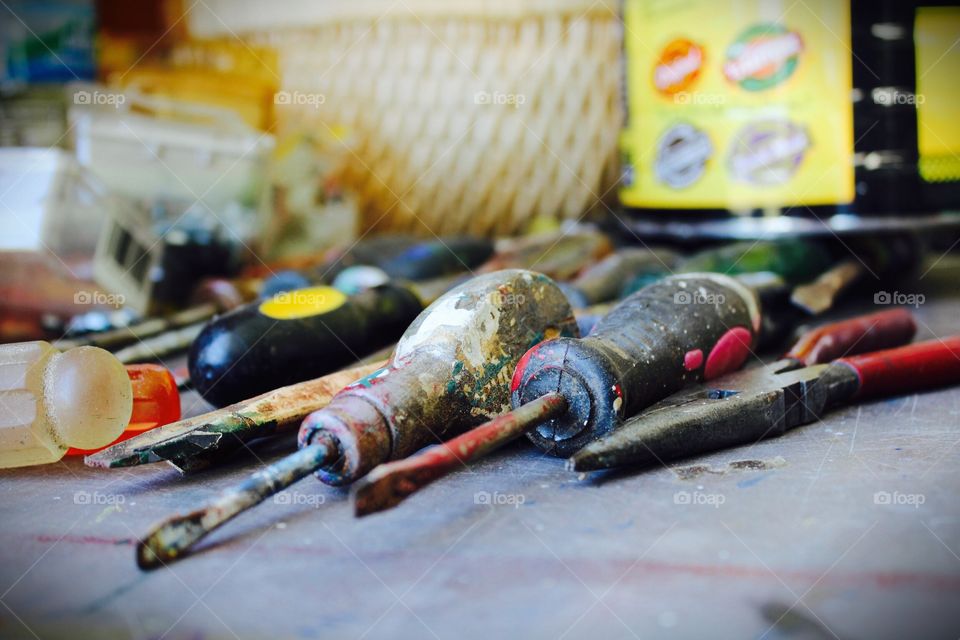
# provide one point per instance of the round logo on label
(763, 56)
(768, 152)
(682, 155)
(678, 67)
(302, 303)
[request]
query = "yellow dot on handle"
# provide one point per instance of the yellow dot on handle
(302, 303)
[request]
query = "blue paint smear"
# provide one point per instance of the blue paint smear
(749, 482)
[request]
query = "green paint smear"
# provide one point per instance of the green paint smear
(452, 385)
(367, 381)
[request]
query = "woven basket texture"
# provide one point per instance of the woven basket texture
(463, 116)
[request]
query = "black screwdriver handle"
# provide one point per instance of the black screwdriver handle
(295, 336)
(677, 331)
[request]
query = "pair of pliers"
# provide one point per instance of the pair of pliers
(814, 377)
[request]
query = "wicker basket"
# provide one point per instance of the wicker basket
(466, 116)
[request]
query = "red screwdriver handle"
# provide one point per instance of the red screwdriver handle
(916, 367)
(862, 334)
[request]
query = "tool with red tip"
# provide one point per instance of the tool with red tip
(766, 401)
(389, 484)
(449, 372)
(568, 391)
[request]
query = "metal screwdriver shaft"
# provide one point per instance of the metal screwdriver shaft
(177, 534)
(447, 374)
(389, 484)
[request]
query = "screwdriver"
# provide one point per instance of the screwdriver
(197, 442)
(793, 260)
(55, 400)
(392, 260)
(766, 402)
(299, 335)
(388, 484)
(156, 402)
(560, 255)
(565, 392)
(449, 372)
(604, 280)
(207, 439)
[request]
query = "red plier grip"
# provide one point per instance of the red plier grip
(916, 367)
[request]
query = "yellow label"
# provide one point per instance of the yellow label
(938, 92)
(737, 104)
(302, 303)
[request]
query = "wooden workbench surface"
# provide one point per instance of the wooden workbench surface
(845, 528)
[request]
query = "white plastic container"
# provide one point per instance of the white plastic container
(150, 147)
(49, 202)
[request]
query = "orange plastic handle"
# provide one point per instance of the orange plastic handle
(156, 402)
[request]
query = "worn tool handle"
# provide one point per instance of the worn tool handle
(448, 373)
(858, 335)
(916, 367)
(604, 280)
(680, 330)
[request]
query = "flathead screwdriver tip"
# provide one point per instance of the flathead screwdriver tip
(384, 488)
(169, 540)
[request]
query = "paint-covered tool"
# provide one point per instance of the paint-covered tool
(436, 258)
(565, 392)
(667, 335)
(390, 258)
(793, 260)
(449, 372)
(113, 338)
(389, 484)
(817, 296)
(603, 281)
(296, 336)
(205, 439)
(764, 402)
(561, 255)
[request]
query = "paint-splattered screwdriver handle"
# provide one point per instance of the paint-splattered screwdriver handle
(857, 335)
(449, 372)
(680, 330)
(916, 367)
